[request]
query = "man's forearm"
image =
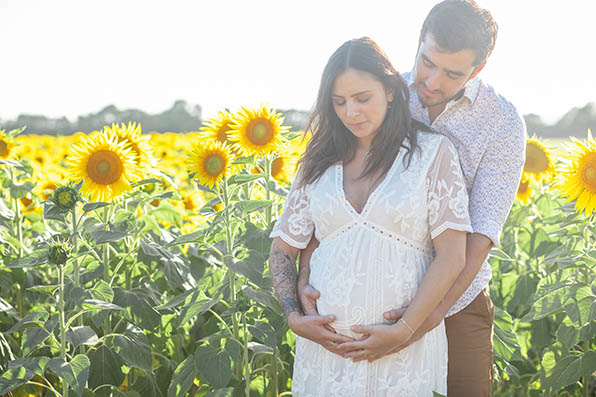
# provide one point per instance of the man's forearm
(304, 262)
(477, 248)
(284, 276)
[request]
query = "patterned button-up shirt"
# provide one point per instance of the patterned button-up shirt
(489, 136)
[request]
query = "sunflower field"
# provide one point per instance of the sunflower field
(135, 264)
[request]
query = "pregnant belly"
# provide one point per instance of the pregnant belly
(358, 291)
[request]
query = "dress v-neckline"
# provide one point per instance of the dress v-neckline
(369, 199)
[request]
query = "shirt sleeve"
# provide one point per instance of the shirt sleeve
(497, 179)
(447, 195)
(295, 225)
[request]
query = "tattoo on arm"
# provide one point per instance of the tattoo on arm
(284, 275)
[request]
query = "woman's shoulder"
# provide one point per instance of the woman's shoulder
(428, 140)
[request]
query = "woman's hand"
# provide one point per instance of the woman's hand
(376, 341)
(317, 329)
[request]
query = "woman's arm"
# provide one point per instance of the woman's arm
(282, 266)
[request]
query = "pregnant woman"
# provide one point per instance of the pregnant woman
(386, 199)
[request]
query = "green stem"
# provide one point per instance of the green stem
(246, 363)
(274, 372)
(62, 326)
(229, 250)
(267, 191)
(106, 269)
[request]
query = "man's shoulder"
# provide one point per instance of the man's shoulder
(498, 108)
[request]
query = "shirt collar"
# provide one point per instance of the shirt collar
(470, 90)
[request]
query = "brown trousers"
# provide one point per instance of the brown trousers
(470, 338)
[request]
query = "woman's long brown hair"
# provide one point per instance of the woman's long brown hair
(332, 141)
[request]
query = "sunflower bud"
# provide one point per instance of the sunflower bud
(58, 253)
(65, 198)
(242, 302)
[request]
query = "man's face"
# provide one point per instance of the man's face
(440, 76)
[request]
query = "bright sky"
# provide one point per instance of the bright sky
(67, 58)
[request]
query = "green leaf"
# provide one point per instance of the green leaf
(97, 304)
(18, 191)
(264, 332)
(506, 344)
(37, 318)
(249, 206)
(570, 369)
(226, 392)
(264, 297)
(102, 291)
(34, 337)
(579, 311)
(93, 206)
(137, 308)
(215, 365)
(13, 378)
(107, 236)
(37, 257)
(188, 238)
(240, 179)
(251, 266)
(74, 373)
(167, 213)
(183, 378)
(257, 239)
(104, 369)
(37, 365)
(81, 335)
(198, 303)
(134, 349)
(567, 334)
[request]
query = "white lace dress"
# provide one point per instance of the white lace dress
(374, 261)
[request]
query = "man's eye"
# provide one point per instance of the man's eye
(427, 62)
(453, 76)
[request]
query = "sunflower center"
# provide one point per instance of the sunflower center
(523, 187)
(536, 159)
(259, 132)
(222, 134)
(276, 167)
(3, 149)
(65, 198)
(104, 167)
(587, 167)
(214, 165)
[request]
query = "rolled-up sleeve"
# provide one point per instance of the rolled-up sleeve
(497, 179)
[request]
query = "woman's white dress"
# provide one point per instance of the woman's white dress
(373, 261)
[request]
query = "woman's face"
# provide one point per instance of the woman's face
(360, 101)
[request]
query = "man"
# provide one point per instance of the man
(455, 41)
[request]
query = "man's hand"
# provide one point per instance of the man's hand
(317, 329)
(308, 295)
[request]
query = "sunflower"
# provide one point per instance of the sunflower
(283, 166)
(257, 132)
(141, 148)
(539, 166)
(211, 162)
(577, 176)
(524, 191)
(106, 167)
(217, 128)
(6, 145)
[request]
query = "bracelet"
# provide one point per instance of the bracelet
(406, 324)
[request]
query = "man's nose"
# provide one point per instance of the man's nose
(432, 82)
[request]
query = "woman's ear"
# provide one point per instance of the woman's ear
(389, 95)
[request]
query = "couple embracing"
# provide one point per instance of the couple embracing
(401, 193)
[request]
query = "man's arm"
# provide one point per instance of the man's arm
(306, 293)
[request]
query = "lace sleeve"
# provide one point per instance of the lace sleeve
(447, 195)
(295, 225)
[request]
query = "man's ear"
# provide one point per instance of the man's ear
(477, 70)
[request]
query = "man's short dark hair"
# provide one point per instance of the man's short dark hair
(457, 25)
